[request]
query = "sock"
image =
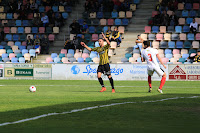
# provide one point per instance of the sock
(149, 81)
(111, 82)
(101, 81)
(162, 82)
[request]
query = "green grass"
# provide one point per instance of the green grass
(180, 115)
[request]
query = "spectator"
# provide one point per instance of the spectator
(173, 19)
(37, 41)
(37, 20)
(84, 27)
(197, 57)
(23, 13)
(45, 20)
(157, 19)
(68, 45)
(52, 20)
(164, 18)
(2, 35)
(59, 21)
(75, 27)
(116, 37)
(139, 43)
(83, 39)
(34, 7)
(19, 5)
(108, 33)
(29, 41)
(193, 26)
(45, 45)
(77, 43)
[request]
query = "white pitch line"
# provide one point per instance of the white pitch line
(88, 108)
(89, 86)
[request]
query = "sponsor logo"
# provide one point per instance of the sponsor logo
(115, 71)
(177, 73)
(75, 69)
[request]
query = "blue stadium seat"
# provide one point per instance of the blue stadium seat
(14, 60)
(178, 29)
(72, 60)
(169, 56)
(188, 6)
(24, 51)
(163, 44)
(56, 60)
(136, 1)
(9, 51)
(32, 52)
(61, 55)
(71, 51)
(139, 59)
(91, 29)
(25, 23)
(171, 44)
(9, 15)
(54, 55)
(168, 51)
(22, 47)
(21, 60)
(185, 56)
(192, 51)
(190, 36)
(20, 30)
(184, 13)
(8, 37)
(193, 13)
(107, 15)
(4, 56)
(80, 60)
(152, 37)
(170, 29)
(88, 60)
(68, 9)
(179, 44)
(3, 43)
(105, 28)
(65, 15)
(38, 2)
(88, 37)
(95, 22)
(79, 35)
(2, 47)
(15, 37)
(55, 8)
(22, 37)
(96, 44)
(30, 47)
(128, 55)
(99, 15)
(81, 21)
(17, 52)
(18, 23)
(125, 21)
(186, 29)
(187, 44)
(118, 22)
(34, 29)
(189, 20)
(36, 35)
(114, 14)
(7, 47)
(93, 54)
(155, 29)
(182, 60)
(41, 9)
(178, 13)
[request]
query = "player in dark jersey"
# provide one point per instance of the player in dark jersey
(104, 66)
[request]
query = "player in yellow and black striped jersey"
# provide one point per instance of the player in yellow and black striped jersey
(104, 66)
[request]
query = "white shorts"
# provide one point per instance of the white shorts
(157, 69)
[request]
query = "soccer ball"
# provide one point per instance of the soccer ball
(32, 88)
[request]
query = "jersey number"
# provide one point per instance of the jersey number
(150, 58)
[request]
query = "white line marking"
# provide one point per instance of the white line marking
(88, 108)
(91, 86)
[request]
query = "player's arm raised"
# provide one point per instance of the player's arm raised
(160, 61)
(84, 45)
(104, 37)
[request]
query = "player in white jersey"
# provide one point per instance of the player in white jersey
(150, 54)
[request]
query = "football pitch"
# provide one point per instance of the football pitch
(79, 107)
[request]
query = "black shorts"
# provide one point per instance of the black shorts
(105, 69)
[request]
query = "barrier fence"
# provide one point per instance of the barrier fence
(89, 71)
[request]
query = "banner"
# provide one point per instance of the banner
(1, 71)
(89, 72)
(193, 72)
(42, 71)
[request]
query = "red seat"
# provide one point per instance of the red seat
(6, 29)
(197, 36)
(41, 30)
(154, 13)
(95, 37)
(147, 29)
(110, 22)
(159, 36)
(196, 6)
(51, 37)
